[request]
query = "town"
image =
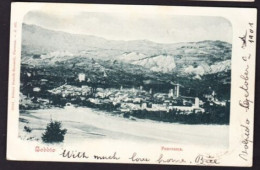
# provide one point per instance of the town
(46, 91)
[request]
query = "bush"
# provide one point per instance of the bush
(27, 129)
(53, 132)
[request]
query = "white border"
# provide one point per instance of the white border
(239, 17)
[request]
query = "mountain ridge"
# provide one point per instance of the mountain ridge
(173, 57)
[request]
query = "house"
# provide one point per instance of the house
(36, 89)
(81, 77)
(157, 107)
(137, 100)
(210, 95)
(43, 81)
(187, 109)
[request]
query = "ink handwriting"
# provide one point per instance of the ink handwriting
(245, 142)
(245, 103)
(206, 160)
(135, 158)
(161, 159)
(73, 154)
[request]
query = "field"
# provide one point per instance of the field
(84, 123)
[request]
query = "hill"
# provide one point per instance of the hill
(192, 58)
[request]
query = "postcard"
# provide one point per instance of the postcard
(131, 84)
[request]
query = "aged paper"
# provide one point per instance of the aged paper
(131, 84)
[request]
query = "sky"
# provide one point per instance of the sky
(160, 29)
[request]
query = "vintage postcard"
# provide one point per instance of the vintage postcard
(131, 84)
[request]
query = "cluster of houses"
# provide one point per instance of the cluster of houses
(212, 99)
(69, 90)
(132, 98)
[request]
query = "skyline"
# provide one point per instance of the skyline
(159, 29)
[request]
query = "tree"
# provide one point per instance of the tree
(54, 132)
(27, 129)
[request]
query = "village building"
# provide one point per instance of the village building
(36, 89)
(81, 77)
